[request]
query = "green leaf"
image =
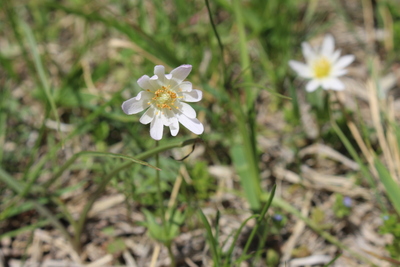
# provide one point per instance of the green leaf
(116, 246)
(392, 188)
(156, 230)
(250, 187)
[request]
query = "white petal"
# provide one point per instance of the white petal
(135, 104)
(167, 116)
(312, 85)
(159, 70)
(148, 116)
(187, 110)
(156, 82)
(169, 113)
(174, 127)
(145, 83)
(328, 45)
(181, 72)
(193, 96)
(308, 52)
(335, 56)
(185, 87)
(156, 128)
(337, 73)
(332, 83)
(344, 62)
(193, 124)
(302, 69)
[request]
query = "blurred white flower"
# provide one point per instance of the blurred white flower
(323, 67)
(162, 97)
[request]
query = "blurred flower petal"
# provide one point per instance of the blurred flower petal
(312, 85)
(324, 67)
(302, 69)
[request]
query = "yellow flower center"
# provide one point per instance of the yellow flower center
(164, 98)
(322, 67)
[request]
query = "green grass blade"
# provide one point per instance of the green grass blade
(247, 178)
(259, 220)
(4, 93)
(231, 248)
(27, 228)
(212, 242)
(40, 69)
(217, 218)
(10, 207)
(12, 19)
(82, 128)
(392, 188)
(10, 181)
(333, 260)
(106, 179)
(278, 202)
(244, 52)
(271, 91)
(364, 170)
(98, 154)
(133, 32)
(13, 184)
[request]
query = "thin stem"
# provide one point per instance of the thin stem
(221, 47)
(167, 243)
(171, 255)
(159, 192)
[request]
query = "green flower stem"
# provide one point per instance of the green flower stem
(159, 192)
(163, 213)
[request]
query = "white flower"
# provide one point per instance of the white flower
(162, 97)
(323, 67)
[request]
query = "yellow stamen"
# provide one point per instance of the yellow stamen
(164, 98)
(322, 67)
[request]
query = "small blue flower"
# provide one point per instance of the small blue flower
(277, 217)
(347, 201)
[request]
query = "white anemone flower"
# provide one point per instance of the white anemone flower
(323, 66)
(163, 98)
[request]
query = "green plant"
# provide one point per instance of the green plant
(342, 206)
(391, 225)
